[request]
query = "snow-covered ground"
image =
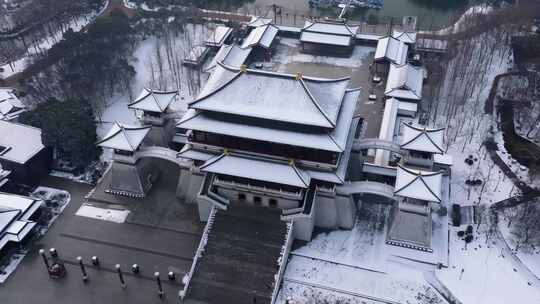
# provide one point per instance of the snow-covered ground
(58, 200)
(483, 272)
(19, 65)
(465, 20)
(357, 265)
(403, 286)
(170, 76)
(105, 214)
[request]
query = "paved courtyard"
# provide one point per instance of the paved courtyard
(155, 246)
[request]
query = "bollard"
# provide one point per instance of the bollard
(45, 260)
(135, 268)
(53, 252)
(83, 269)
(120, 276)
(171, 276)
(160, 288)
(95, 260)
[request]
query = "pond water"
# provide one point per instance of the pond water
(432, 14)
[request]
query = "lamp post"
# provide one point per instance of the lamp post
(120, 276)
(83, 269)
(160, 288)
(45, 260)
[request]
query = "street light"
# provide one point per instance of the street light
(83, 269)
(120, 276)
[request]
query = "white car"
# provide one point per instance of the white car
(377, 78)
(372, 97)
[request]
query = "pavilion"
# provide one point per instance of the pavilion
(153, 107)
(411, 223)
(130, 176)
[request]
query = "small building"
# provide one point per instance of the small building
(421, 145)
(411, 223)
(18, 216)
(218, 36)
(261, 41)
(334, 38)
(405, 82)
(10, 105)
(196, 56)
(391, 50)
(129, 176)
(23, 153)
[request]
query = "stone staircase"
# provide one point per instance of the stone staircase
(240, 258)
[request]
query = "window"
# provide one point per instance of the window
(273, 203)
(241, 196)
(257, 200)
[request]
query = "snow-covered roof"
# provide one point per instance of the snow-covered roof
(26, 205)
(10, 105)
(257, 169)
(257, 21)
(230, 55)
(327, 32)
(391, 49)
(407, 37)
(218, 36)
(330, 27)
(418, 184)
(18, 142)
(386, 132)
(15, 212)
(443, 159)
(407, 107)
(276, 96)
(153, 101)
(196, 54)
(404, 81)
(261, 36)
(330, 39)
(124, 137)
(422, 139)
(334, 140)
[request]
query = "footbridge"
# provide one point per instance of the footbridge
(366, 187)
(162, 153)
(376, 143)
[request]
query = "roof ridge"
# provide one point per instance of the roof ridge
(316, 103)
(212, 160)
(433, 142)
(126, 137)
(157, 103)
(238, 74)
(112, 135)
(429, 189)
(297, 171)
